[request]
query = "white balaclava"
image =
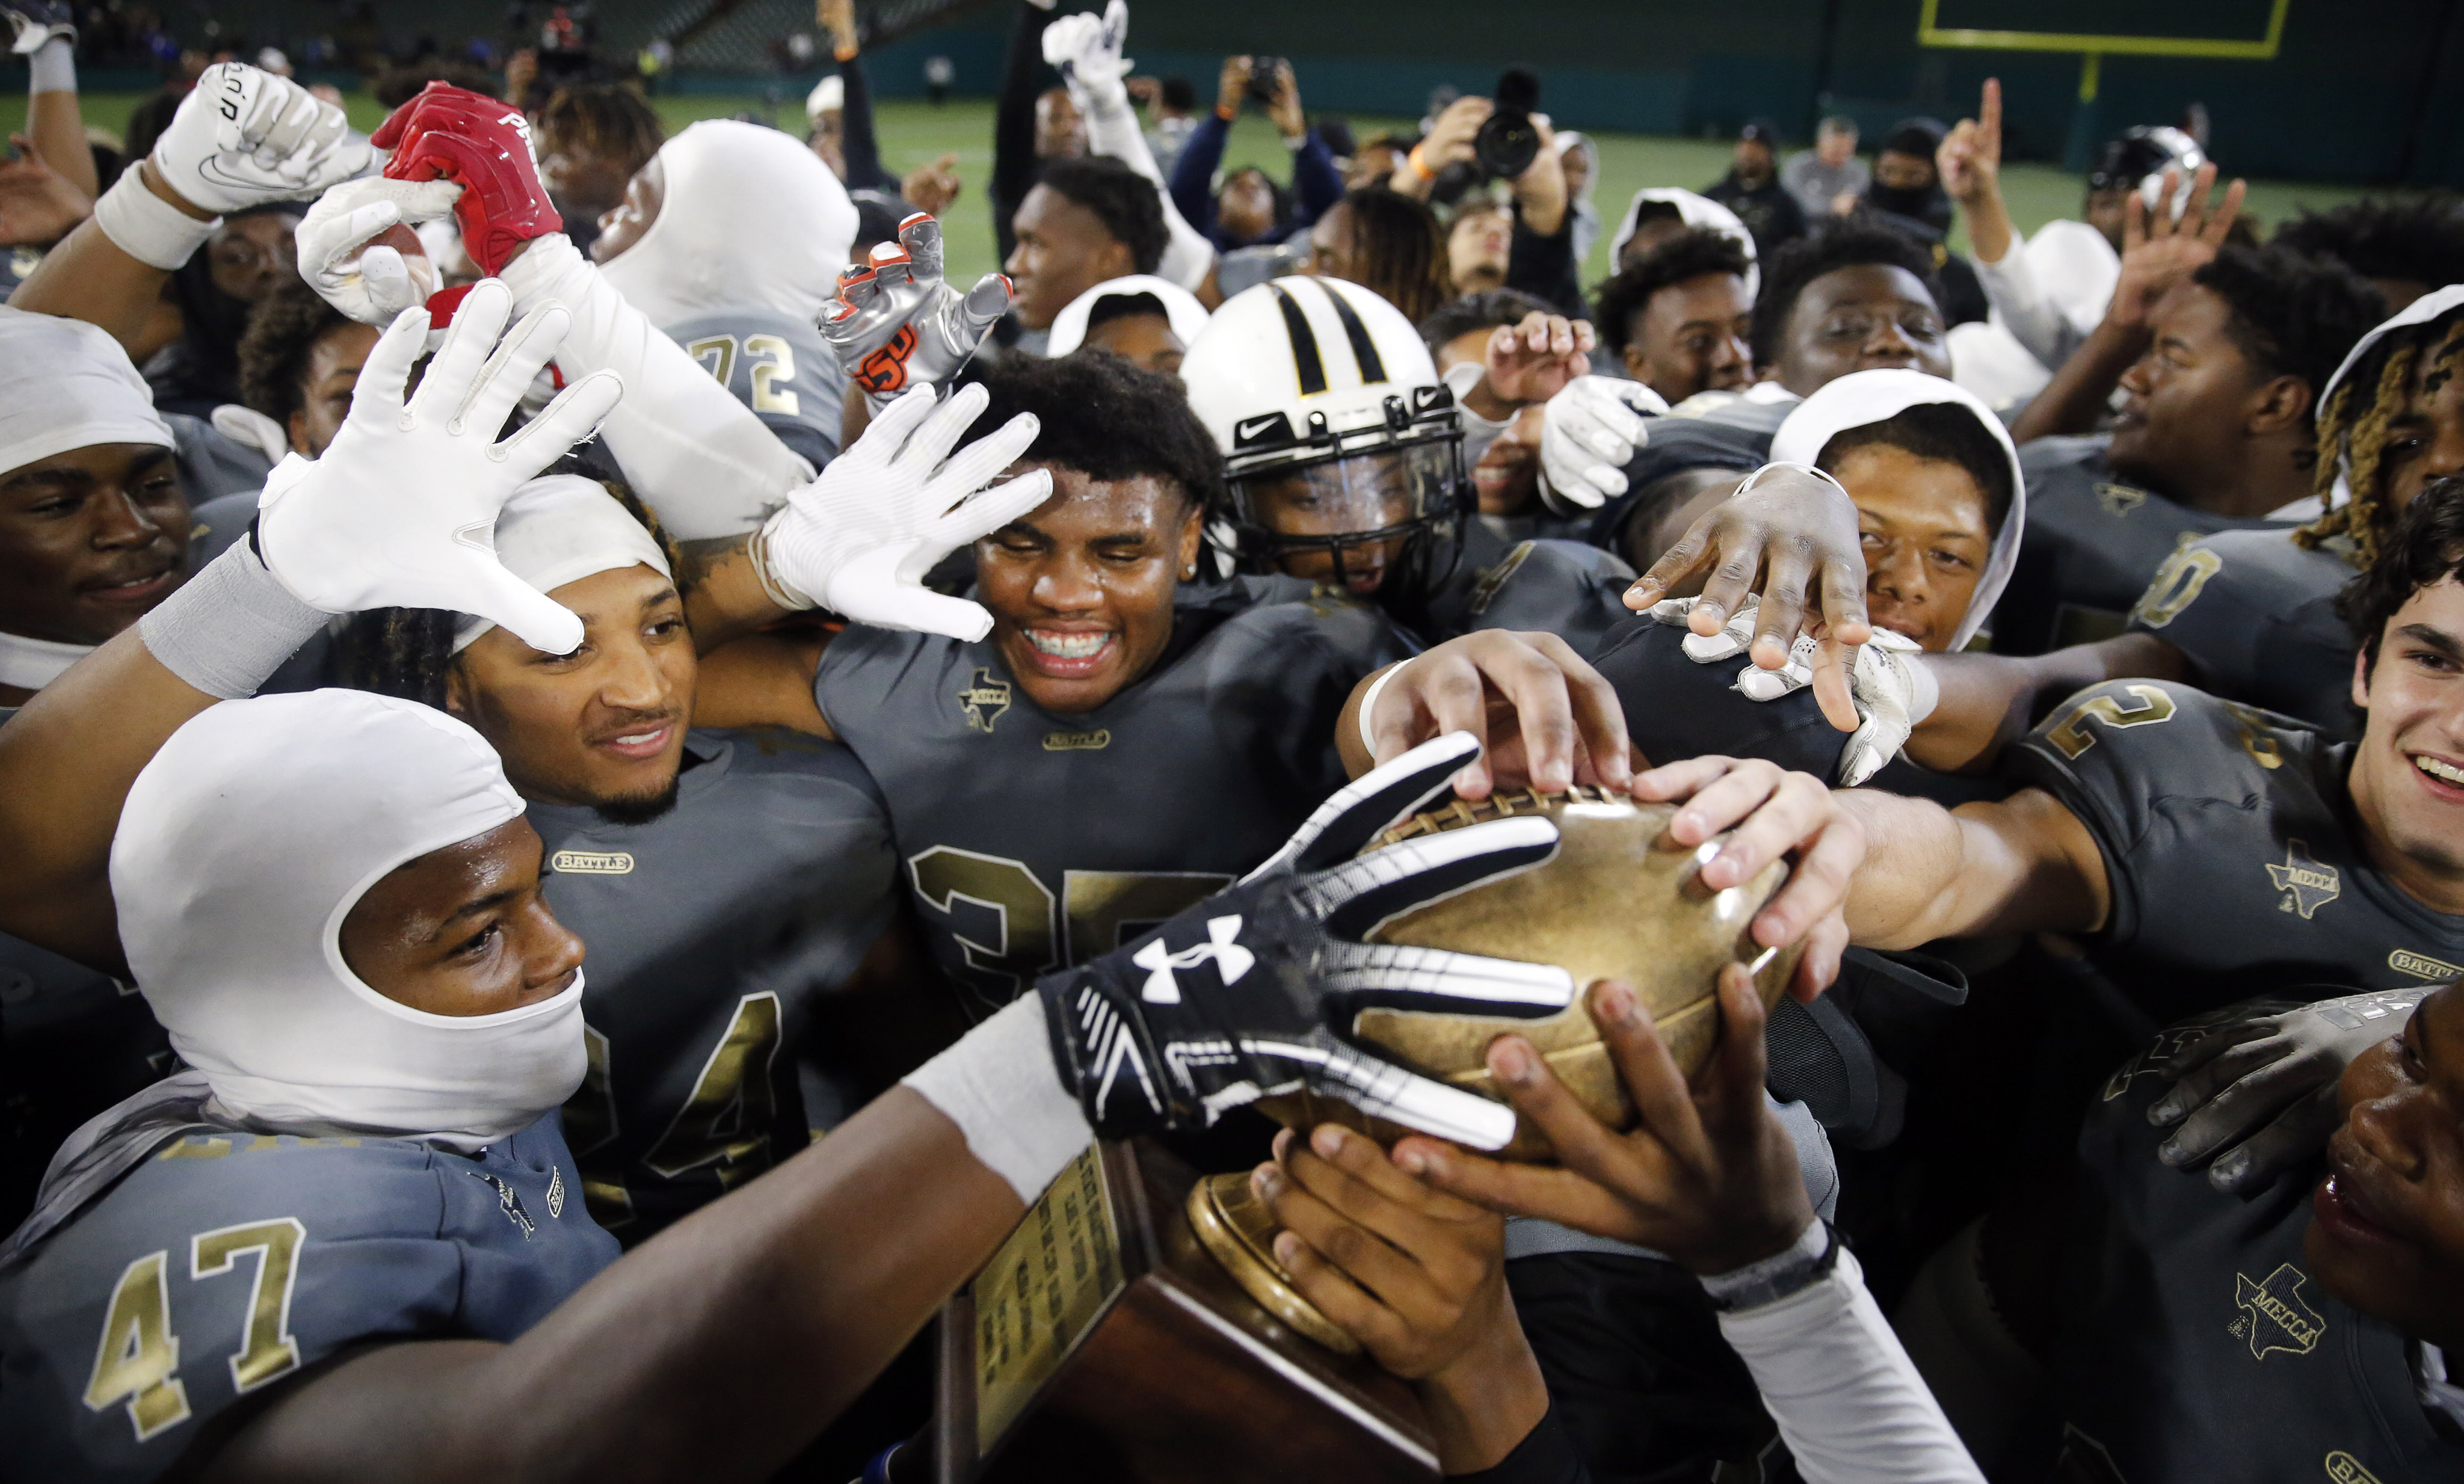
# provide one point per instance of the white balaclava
(1068, 331)
(561, 529)
(243, 845)
(1863, 398)
(1694, 210)
(64, 385)
(751, 219)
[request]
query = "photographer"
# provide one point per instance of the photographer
(1249, 208)
(1521, 149)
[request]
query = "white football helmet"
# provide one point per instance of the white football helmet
(1341, 447)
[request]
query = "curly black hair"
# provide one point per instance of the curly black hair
(1488, 310)
(1106, 419)
(1619, 301)
(604, 117)
(282, 330)
(1944, 430)
(2425, 547)
(1122, 199)
(2416, 240)
(1844, 243)
(2293, 315)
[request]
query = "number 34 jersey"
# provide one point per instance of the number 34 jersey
(2233, 866)
(1032, 839)
(225, 1262)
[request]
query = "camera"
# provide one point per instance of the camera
(1262, 73)
(1508, 140)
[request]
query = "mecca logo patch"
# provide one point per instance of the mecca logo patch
(2119, 500)
(592, 862)
(2274, 1315)
(984, 701)
(2307, 884)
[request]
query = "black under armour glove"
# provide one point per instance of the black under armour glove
(1241, 997)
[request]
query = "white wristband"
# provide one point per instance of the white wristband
(1369, 703)
(52, 68)
(1000, 1085)
(229, 628)
(147, 227)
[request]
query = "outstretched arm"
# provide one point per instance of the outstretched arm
(1989, 701)
(2023, 864)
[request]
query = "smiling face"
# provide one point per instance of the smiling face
(2387, 1229)
(1692, 337)
(1863, 318)
(1922, 522)
(463, 930)
(2407, 777)
(1081, 588)
(1064, 249)
(2187, 408)
(89, 540)
(603, 728)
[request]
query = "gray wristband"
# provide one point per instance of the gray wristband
(230, 626)
(1806, 1262)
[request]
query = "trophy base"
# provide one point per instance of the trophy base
(1239, 1231)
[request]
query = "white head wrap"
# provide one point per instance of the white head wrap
(828, 96)
(752, 219)
(1188, 316)
(2421, 310)
(1694, 211)
(65, 384)
(1863, 398)
(561, 529)
(243, 845)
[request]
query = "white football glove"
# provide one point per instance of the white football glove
(1587, 436)
(1087, 49)
(342, 260)
(858, 541)
(243, 137)
(401, 511)
(1892, 688)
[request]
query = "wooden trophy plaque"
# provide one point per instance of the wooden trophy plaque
(1103, 1346)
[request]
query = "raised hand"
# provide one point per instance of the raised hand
(1971, 156)
(398, 511)
(930, 189)
(2159, 253)
(1590, 432)
(1544, 717)
(358, 251)
(243, 137)
(483, 145)
(1086, 49)
(1536, 360)
(38, 205)
(1251, 992)
(896, 325)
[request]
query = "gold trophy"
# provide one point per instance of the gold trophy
(1136, 1326)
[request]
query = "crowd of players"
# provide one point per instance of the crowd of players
(949, 718)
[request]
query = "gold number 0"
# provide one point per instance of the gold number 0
(1103, 909)
(2176, 585)
(2072, 737)
(137, 1359)
(768, 396)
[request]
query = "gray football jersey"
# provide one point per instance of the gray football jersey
(778, 366)
(2224, 837)
(2093, 543)
(713, 931)
(2256, 615)
(1565, 588)
(2195, 1343)
(227, 1262)
(1032, 841)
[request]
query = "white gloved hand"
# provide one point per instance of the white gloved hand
(348, 268)
(1086, 49)
(858, 541)
(243, 137)
(1587, 436)
(254, 428)
(1893, 689)
(401, 511)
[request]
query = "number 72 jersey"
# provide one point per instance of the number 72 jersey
(777, 365)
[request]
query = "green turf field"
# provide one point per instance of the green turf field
(914, 132)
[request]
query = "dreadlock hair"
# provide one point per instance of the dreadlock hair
(409, 653)
(1843, 242)
(282, 333)
(2418, 240)
(2353, 430)
(1619, 302)
(1398, 249)
(604, 117)
(2425, 547)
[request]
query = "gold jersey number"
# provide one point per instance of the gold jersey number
(773, 365)
(137, 1361)
(1033, 931)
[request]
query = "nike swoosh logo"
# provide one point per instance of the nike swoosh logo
(1256, 426)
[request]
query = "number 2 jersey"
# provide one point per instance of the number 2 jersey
(224, 1262)
(713, 932)
(777, 365)
(1030, 839)
(2231, 851)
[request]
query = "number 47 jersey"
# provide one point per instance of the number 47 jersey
(777, 365)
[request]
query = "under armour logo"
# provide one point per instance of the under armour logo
(1231, 960)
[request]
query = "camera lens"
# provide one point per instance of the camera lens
(1507, 144)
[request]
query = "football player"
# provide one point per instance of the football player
(1146, 321)
(1679, 319)
(1085, 221)
(1500, 398)
(2216, 433)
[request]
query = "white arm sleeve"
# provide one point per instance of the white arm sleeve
(1112, 130)
(698, 457)
(2032, 319)
(1000, 1086)
(1848, 1400)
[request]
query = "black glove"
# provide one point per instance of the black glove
(2265, 1082)
(1238, 998)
